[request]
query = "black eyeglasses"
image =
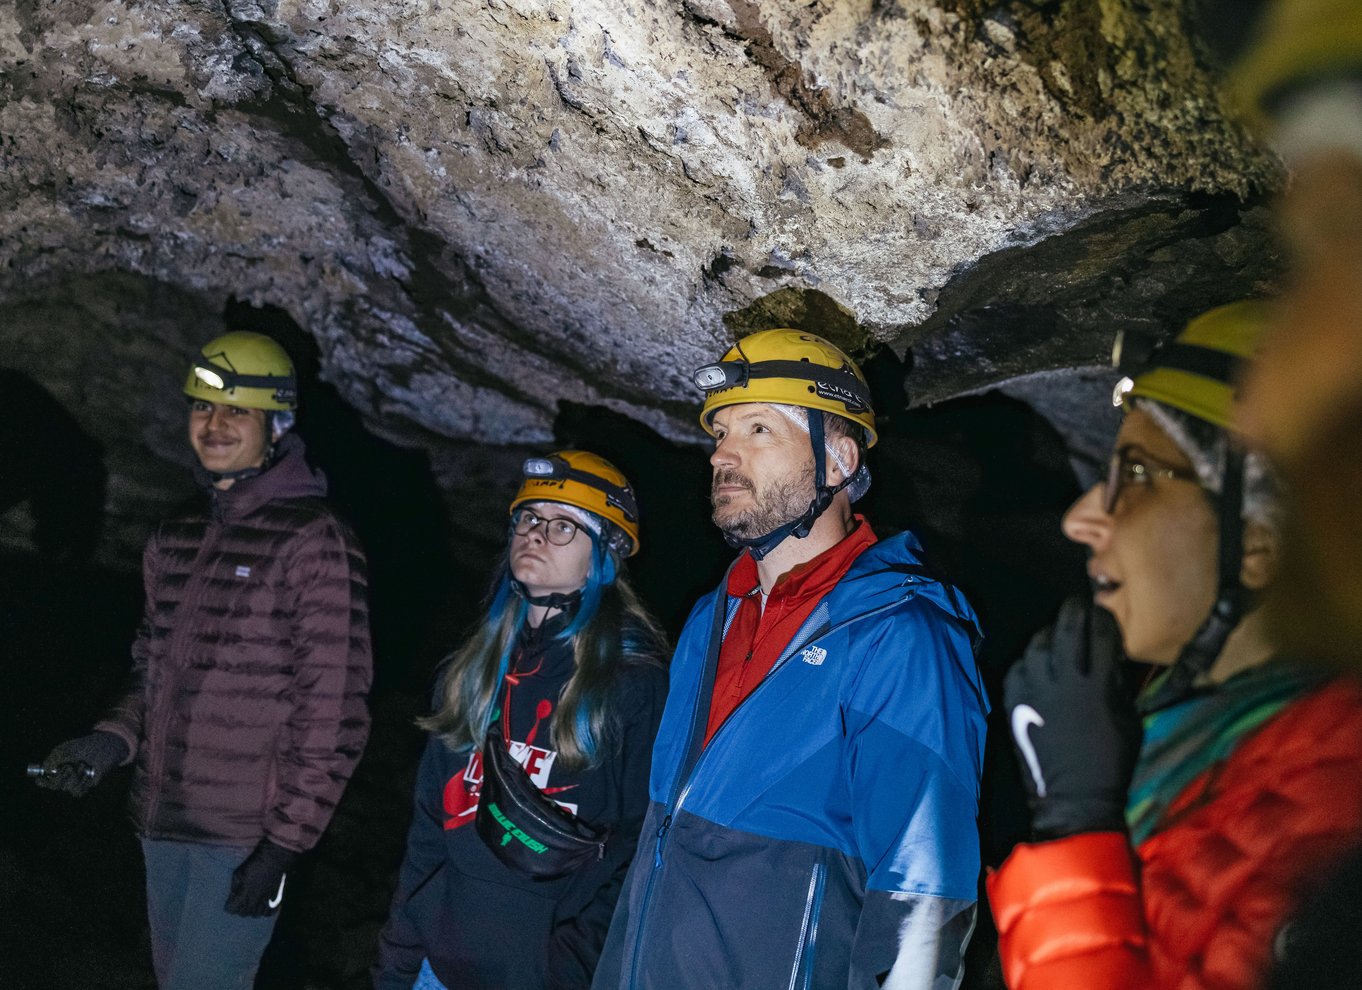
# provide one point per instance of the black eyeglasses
(1129, 466)
(559, 530)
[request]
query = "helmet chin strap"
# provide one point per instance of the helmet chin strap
(555, 600)
(210, 479)
(801, 525)
(1231, 602)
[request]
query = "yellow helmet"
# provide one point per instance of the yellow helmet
(1297, 42)
(1196, 373)
(244, 369)
(584, 481)
(788, 367)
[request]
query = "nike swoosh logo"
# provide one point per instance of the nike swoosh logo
(1023, 718)
(278, 898)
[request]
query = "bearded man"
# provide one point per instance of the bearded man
(815, 781)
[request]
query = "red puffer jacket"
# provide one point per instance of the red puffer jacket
(1198, 905)
(247, 714)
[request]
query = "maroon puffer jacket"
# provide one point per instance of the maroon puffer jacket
(247, 713)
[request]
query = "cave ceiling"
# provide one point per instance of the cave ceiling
(481, 211)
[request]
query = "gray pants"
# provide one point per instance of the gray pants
(195, 944)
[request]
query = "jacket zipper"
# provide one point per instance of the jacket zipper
(674, 806)
(155, 734)
(808, 930)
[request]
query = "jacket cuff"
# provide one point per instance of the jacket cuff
(1070, 904)
(128, 739)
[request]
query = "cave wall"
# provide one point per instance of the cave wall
(478, 212)
(482, 226)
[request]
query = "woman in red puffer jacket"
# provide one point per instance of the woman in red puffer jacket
(1172, 860)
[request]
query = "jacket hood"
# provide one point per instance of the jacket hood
(289, 476)
(891, 570)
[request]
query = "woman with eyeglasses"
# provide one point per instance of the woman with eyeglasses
(1175, 827)
(534, 781)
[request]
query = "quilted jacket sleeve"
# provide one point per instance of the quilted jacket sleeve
(327, 728)
(1069, 914)
(1203, 902)
(124, 717)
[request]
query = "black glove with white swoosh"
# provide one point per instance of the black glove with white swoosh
(257, 887)
(1074, 724)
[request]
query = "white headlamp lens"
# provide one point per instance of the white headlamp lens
(710, 377)
(210, 378)
(538, 467)
(1122, 389)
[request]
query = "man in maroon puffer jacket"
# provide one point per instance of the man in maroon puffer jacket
(246, 712)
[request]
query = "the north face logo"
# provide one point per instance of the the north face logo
(814, 655)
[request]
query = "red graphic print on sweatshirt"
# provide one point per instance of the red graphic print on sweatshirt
(462, 792)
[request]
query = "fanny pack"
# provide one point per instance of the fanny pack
(526, 830)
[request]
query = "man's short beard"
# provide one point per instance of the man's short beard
(782, 501)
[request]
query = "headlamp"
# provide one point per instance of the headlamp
(838, 384)
(1135, 352)
(224, 379)
(538, 467)
(729, 374)
(1122, 389)
(557, 469)
(209, 377)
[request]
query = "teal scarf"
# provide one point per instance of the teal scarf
(1184, 740)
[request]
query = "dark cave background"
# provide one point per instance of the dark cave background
(983, 480)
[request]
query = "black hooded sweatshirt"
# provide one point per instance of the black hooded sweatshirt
(481, 924)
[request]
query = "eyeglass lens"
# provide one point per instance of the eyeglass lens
(558, 531)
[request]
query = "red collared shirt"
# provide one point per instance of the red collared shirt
(758, 636)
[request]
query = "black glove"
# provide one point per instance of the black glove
(258, 883)
(77, 765)
(1074, 724)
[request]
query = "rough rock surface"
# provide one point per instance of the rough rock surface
(489, 223)
(481, 208)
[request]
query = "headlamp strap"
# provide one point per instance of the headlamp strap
(616, 495)
(1136, 355)
(836, 384)
(233, 379)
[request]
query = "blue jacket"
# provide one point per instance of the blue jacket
(826, 837)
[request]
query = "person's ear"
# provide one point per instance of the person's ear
(1261, 546)
(850, 453)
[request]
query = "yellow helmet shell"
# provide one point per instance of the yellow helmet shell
(1233, 331)
(793, 345)
(585, 481)
(1297, 42)
(217, 376)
